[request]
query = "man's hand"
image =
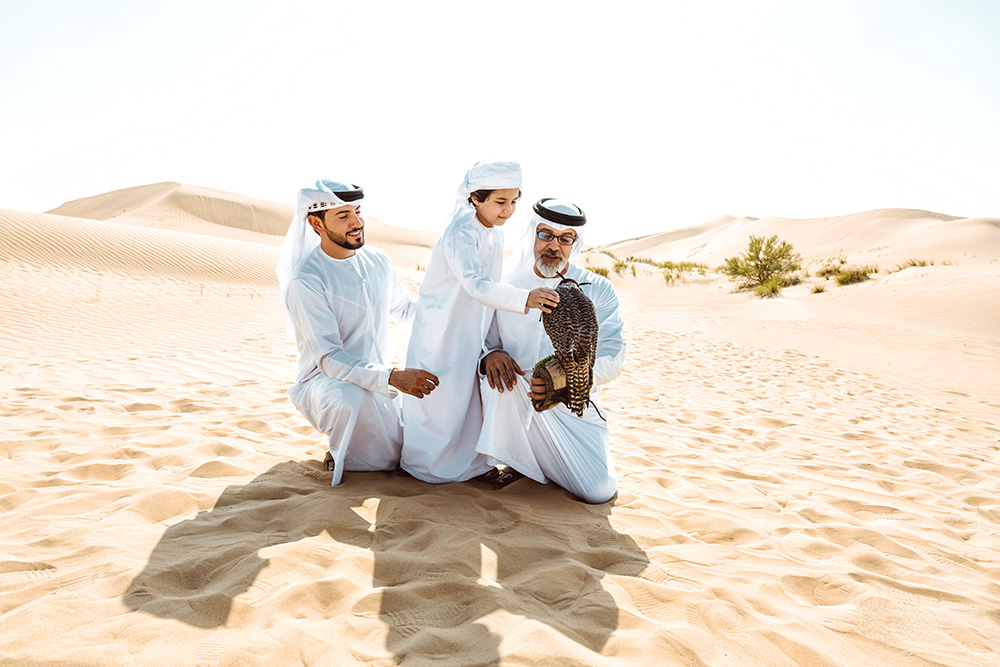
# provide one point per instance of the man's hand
(543, 298)
(537, 392)
(501, 370)
(413, 381)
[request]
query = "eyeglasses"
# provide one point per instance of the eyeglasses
(567, 239)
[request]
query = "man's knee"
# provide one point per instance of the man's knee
(336, 403)
(350, 394)
(508, 398)
(598, 492)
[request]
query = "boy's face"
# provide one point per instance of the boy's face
(497, 208)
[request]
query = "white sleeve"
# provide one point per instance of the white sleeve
(402, 306)
(317, 325)
(610, 344)
(462, 254)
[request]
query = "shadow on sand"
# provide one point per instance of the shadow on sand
(544, 554)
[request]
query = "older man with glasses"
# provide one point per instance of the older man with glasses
(555, 445)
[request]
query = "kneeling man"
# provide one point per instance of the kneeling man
(339, 297)
(554, 445)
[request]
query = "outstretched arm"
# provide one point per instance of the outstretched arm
(461, 251)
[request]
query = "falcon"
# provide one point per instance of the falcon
(572, 328)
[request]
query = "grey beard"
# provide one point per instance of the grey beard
(548, 269)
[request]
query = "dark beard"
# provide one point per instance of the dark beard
(345, 242)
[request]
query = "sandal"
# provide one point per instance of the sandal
(491, 476)
(508, 477)
(499, 478)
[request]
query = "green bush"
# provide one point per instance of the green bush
(818, 289)
(764, 260)
(599, 270)
(850, 275)
(620, 265)
(769, 289)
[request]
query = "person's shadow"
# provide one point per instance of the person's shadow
(444, 556)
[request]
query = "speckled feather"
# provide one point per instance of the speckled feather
(572, 328)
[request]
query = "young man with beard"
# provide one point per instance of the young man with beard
(554, 445)
(339, 296)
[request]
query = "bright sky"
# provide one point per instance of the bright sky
(650, 115)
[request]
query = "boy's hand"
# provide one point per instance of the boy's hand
(543, 298)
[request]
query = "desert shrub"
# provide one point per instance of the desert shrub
(599, 270)
(831, 266)
(854, 274)
(790, 280)
(681, 267)
(768, 289)
(633, 270)
(763, 261)
(911, 262)
(818, 289)
(620, 265)
(642, 260)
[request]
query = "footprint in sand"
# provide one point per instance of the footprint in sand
(254, 425)
(15, 575)
(141, 407)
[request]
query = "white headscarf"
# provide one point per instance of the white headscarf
(301, 238)
(523, 257)
(485, 176)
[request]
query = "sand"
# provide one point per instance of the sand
(808, 480)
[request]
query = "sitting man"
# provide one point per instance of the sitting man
(554, 445)
(339, 297)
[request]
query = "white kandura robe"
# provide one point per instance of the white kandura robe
(457, 299)
(554, 445)
(340, 311)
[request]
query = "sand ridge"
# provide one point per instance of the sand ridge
(888, 236)
(787, 498)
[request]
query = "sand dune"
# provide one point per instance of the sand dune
(884, 235)
(197, 210)
(808, 480)
(184, 208)
(44, 239)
